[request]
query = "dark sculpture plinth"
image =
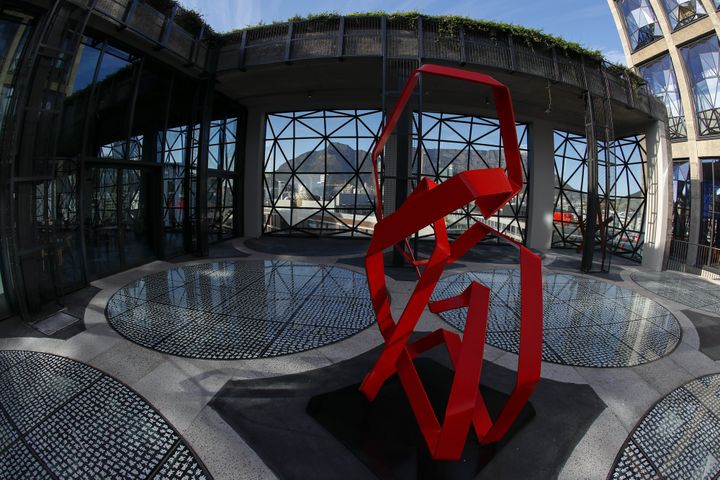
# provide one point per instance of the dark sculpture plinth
(384, 434)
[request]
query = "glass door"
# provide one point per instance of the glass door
(119, 230)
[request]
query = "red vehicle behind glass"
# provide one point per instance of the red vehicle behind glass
(561, 217)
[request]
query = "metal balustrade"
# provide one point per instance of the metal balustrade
(688, 257)
(423, 38)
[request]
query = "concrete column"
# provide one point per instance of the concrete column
(253, 177)
(658, 219)
(541, 195)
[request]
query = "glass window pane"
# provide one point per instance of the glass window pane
(316, 172)
(452, 143)
(702, 61)
(641, 22)
(683, 12)
(661, 79)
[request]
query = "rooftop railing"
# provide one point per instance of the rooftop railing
(372, 36)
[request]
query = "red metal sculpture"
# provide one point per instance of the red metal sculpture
(428, 204)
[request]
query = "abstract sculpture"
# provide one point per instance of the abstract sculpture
(428, 204)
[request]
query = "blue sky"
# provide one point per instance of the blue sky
(587, 22)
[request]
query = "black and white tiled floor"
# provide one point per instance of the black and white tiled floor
(63, 419)
(685, 289)
(679, 438)
(587, 322)
(242, 309)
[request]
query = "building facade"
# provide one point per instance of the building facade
(128, 138)
(674, 45)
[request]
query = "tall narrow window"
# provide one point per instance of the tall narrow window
(710, 224)
(660, 77)
(641, 22)
(702, 61)
(681, 199)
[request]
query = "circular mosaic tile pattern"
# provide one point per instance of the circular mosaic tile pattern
(685, 289)
(63, 419)
(679, 438)
(587, 322)
(242, 309)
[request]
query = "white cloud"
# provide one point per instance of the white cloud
(614, 56)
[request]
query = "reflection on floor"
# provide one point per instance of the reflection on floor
(679, 438)
(242, 309)
(682, 288)
(587, 322)
(63, 419)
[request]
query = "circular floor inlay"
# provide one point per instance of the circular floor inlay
(685, 289)
(65, 418)
(586, 322)
(242, 309)
(679, 438)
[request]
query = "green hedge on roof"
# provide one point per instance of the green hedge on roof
(450, 25)
(193, 21)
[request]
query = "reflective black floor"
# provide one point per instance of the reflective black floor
(587, 322)
(685, 289)
(679, 438)
(242, 309)
(63, 419)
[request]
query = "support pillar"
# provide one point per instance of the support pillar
(658, 221)
(541, 185)
(253, 173)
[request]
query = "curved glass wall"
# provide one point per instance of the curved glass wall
(661, 79)
(683, 12)
(641, 22)
(710, 219)
(623, 164)
(702, 62)
(681, 199)
(318, 175)
(450, 144)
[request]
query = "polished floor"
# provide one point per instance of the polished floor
(682, 288)
(587, 322)
(242, 309)
(190, 360)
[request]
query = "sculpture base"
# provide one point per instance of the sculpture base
(384, 435)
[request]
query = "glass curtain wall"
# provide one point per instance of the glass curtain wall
(702, 62)
(660, 77)
(447, 144)
(681, 199)
(683, 12)
(318, 175)
(641, 22)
